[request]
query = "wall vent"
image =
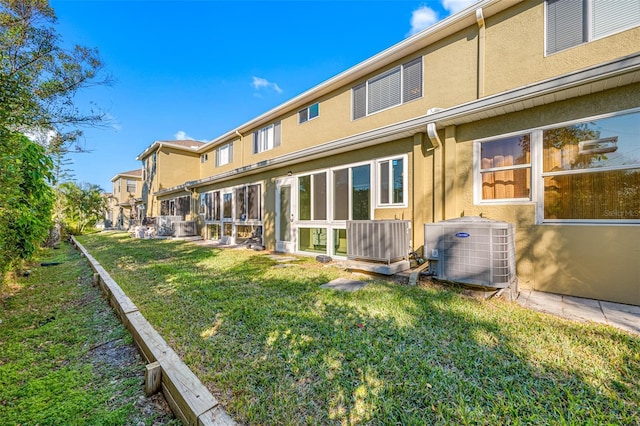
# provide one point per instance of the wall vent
(378, 240)
(472, 250)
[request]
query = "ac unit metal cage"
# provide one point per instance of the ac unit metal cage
(378, 240)
(184, 228)
(472, 250)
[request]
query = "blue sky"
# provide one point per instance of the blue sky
(197, 69)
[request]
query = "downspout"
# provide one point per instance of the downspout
(437, 169)
(241, 147)
(481, 37)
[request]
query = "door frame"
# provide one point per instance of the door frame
(291, 245)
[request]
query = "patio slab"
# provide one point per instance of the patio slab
(624, 317)
(344, 284)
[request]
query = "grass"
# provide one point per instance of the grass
(275, 348)
(65, 359)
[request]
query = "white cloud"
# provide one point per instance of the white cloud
(259, 83)
(181, 135)
(421, 18)
(454, 6)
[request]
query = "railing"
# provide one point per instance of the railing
(378, 240)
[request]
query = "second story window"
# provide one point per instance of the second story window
(573, 22)
(224, 154)
(131, 186)
(394, 87)
(309, 113)
(266, 138)
(204, 158)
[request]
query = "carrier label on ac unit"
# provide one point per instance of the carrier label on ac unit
(462, 235)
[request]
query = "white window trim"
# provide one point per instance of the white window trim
(537, 175)
(204, 158)
(312, 204)
(229, 147)
(405, 182)
(308, 108)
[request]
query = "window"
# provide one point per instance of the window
(505, 168)
(394, 87)
(131, 186)
(266, 138)
(391, 182)
(572, 22)
(210, 205)
(224, 154)
(591, 170)
(586, 171)
(312, 191)
(227, 200)
(352, 193)
(182, 206)
(248, 202)
(204, 158)
(308, 113)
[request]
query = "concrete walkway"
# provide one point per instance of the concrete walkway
(625, 317)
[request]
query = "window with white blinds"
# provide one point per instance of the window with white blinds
(224, 154)
(391, 88)
(572, 22)
(266, 138)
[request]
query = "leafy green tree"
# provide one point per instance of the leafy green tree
(27, 198)
(82, 206)
(39, 79)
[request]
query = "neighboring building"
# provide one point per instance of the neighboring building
(166, 165)
(126, 199)
(112, 210)
(521, 111)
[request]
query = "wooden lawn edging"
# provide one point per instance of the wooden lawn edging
(189, 399)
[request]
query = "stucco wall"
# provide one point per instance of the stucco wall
(595, 261)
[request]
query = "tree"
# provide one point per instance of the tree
(82, 206)
(39, 78)
(27, 198)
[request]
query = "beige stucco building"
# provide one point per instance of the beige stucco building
(125, 199)
(526, 112)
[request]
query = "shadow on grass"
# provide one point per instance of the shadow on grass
(277, 349)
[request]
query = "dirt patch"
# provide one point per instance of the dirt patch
(122, 361)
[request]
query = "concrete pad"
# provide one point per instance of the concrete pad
(626, 317)
(281, 258)
(545, 302)
(344, 284)
(283, 265)
(378, 268)
(582, 309)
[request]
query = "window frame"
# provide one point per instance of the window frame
(204, 158)
(271, 141)
(586, 26)
(308, 113)
(133, 182)
(478, 170)
(405, 182)
(378, 77)
(538, 175)
(229, 156)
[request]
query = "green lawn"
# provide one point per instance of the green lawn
(275, 348)
(65, 359)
